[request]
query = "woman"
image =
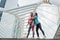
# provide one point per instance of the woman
(31, 24)
(38, 25)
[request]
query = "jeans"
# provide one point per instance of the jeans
(38, 26)
(29, 31)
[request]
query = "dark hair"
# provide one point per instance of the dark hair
(31, 14)
(36, 14)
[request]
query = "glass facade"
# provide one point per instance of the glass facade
(2, 5)
(0, 14)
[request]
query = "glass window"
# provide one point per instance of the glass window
(2, 3)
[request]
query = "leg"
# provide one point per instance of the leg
(41, 29)
(33, 31)
(28, 31)
(37, 31)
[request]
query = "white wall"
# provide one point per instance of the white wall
(7, 25)
(27, 2)
(10, 4)
(8, 21)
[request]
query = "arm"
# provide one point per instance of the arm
(27, 24)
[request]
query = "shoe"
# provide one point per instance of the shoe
(44, 37)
